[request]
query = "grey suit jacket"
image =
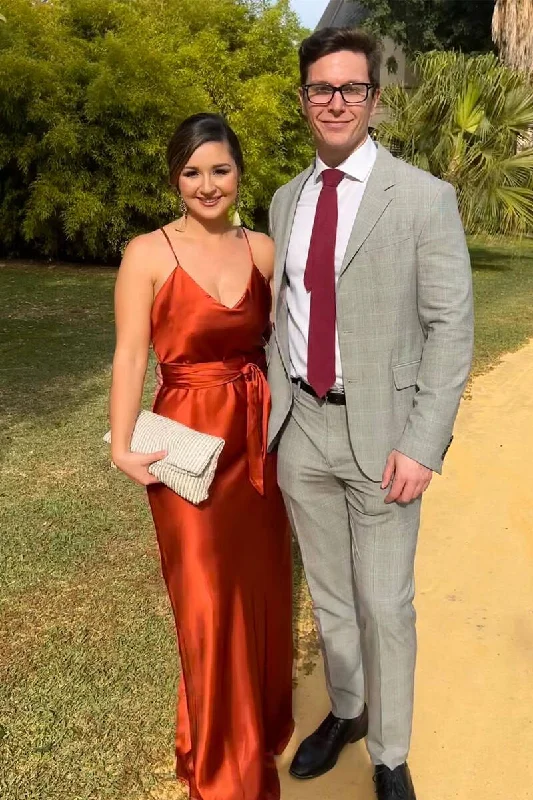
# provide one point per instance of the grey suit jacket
(404, 316)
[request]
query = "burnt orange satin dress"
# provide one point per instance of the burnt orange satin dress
(226, 562)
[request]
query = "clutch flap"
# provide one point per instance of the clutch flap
(188, 451)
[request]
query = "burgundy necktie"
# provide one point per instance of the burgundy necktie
(319, 280)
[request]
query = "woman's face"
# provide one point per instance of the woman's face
(209, 181)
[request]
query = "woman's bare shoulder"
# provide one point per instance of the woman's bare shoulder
(144, 244)
(263, 252)
(144, 253)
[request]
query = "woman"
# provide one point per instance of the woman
(199, 290)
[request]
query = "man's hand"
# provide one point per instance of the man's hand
(409, 478)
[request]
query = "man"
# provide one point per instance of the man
(371, 352)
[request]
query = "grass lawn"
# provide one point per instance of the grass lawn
(503, 291)
(87, 654)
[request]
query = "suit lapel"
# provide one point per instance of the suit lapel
(287, 212)
(282, 243)
(375, 200)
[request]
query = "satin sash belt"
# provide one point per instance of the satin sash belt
(205, 375)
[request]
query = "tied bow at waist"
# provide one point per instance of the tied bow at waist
(217, 373)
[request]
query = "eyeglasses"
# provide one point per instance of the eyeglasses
(321, 94)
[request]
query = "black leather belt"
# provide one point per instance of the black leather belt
(335, 396)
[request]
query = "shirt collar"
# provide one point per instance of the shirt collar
(357, 166)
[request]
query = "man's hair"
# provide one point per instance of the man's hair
(326, 41)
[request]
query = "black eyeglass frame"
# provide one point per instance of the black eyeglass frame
(335, 89)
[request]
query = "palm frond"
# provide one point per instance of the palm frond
(464, 122)
(469, 113)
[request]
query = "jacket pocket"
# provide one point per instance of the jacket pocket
(381, 244)
(405, 375)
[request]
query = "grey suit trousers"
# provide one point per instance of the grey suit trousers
(358, 555)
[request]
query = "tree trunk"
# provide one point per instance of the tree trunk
(512, 32)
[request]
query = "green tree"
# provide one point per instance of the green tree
(422, 25)
(463, 123)
(92, 90)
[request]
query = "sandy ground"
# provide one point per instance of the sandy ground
(473, 726)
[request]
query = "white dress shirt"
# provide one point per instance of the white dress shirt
(357, 169)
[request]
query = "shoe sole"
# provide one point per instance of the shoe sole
(330, 766)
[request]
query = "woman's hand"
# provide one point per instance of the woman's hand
(135, 465)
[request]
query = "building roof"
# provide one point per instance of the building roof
(342, 13)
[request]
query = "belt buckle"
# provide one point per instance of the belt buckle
(335, 397)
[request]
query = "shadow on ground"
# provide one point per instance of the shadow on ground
(56, 334)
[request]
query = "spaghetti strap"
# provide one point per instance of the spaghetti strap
(165, 234)
(249, 246)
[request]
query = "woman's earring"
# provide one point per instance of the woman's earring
(183, 207)
(236, 216)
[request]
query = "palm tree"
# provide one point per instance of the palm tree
(512, 32)
(463, 122)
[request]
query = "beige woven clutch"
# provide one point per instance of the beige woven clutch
(189, 466)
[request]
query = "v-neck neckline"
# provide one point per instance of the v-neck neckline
(212, 297)
(200, 287)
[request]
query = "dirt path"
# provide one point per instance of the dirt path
(473, 728)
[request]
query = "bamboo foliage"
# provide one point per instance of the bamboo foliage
(91, 90)
(512, 32)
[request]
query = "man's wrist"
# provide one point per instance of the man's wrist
(406, 455)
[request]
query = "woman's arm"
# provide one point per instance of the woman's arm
(133, 303)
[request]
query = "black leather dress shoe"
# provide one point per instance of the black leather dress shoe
(394, 784)
(319, 752)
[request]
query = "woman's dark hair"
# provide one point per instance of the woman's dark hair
(326, 41)
(192, 134)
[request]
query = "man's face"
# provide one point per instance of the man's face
(339, 128)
